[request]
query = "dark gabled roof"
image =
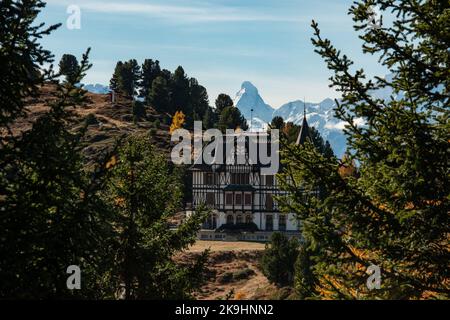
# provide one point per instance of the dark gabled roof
(304, 133)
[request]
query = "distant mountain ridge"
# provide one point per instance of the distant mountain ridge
(96, 88)
(319, 115)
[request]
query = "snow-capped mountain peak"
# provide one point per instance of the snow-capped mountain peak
(252, 106)
(96, 88)
(319, 115)
(249, 88)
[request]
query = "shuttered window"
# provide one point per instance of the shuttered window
(210, 199)
(248, 199)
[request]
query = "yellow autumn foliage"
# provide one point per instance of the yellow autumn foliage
(240, 296)
(178, 121)
(120, 201)
(111, 163)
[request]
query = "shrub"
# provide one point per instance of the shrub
(152, 132)
(138, 110)
(278, 260)
(243, 274)
(226, 277)
(285, 293)
(91, 119)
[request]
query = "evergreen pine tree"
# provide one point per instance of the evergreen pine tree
(51, 215)
(394, 213)
(145, 192)
(159, 97)
(68, 66)
(277, 123)
(322, 146)
(51, 218)
(21, 56)
(126, 78)
(231, 118)
(150, 71)
(179, 88)
(304, 280)
(278, 259)
(209, 119)
(223, 101)
(130, 81)
(199, 102)
(115, 83)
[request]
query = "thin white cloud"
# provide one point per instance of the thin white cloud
(179, 13)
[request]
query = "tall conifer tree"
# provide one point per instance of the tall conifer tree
(395, 213)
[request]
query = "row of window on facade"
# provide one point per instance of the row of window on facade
(235, 178)
(240, 199)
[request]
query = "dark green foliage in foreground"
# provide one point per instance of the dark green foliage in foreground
(304, 280)
(51, 216)
(278, 260)
(55, 214)
(21, 56)
(394, 213)
(144, 193)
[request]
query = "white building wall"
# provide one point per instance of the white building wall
(258, 218)
(222, 219)
(275, 218)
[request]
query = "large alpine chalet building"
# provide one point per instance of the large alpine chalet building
(240, 195)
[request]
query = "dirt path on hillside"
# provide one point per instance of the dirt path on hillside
(232, 269)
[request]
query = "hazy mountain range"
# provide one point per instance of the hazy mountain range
(96, 88)
(319, 115)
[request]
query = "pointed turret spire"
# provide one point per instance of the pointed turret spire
(304, 131)
(304, 107)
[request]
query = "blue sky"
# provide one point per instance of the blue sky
(220, 42)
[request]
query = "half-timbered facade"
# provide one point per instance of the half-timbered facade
(240, 194)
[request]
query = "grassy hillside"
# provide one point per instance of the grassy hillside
(107, 122)
(233, 272)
